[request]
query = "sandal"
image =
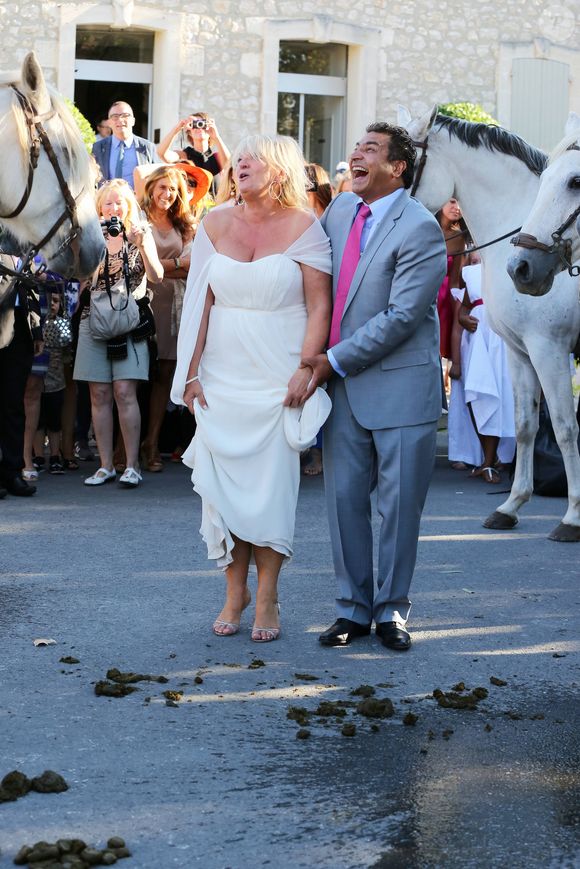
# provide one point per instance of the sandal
(490, 475)
(270, 634)
(29, 476)
(151, 459)
(69, 464)
(231, 628)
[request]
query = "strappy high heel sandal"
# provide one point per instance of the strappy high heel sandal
(230, 629)
(270, 634)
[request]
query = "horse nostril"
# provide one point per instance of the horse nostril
(519, 270)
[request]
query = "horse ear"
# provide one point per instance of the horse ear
(33, 83)
(403, 116)
(572, 125)
(424, 123)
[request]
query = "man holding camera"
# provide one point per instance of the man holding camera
(206, 147)
(119, 154)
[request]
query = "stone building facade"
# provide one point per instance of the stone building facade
(318, 70)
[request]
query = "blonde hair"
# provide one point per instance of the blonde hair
(124, 190)
(227, 186)
(180, 212)
(283, 156)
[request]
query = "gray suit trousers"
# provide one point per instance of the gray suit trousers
(399, 463)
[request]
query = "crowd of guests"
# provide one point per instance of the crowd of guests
(108, 401)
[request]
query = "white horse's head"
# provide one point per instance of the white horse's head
(435, 188)
(26, 221)
(534, 268)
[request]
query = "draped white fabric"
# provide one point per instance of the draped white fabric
(245, 453)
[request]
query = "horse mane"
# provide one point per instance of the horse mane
(67, 136)
(494, 139)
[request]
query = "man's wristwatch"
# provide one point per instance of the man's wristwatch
(177, 262)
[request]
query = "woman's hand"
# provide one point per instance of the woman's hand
(192, 391)
(455, 371)
(468, 322)
(298, 387)
(136, 234)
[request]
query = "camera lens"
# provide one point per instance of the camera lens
(199, 124)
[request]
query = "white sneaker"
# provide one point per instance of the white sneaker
(130, 478)
(101, 476)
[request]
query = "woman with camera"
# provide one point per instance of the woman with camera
(205, 146)
(114, 367)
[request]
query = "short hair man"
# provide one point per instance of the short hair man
(120, 153)
(103, 130)
(206, 147)
(385, 383)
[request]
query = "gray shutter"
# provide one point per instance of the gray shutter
(540, 100)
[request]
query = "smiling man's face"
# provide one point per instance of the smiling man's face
(373, 175)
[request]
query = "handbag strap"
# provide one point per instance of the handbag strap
(125, 260)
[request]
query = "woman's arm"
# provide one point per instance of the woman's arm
(195, 388)
(456, 332)
(164, 149)
(317, 295)
(142, 238)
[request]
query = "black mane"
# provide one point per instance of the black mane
(495, 139)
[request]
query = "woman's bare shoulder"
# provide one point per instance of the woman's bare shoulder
(218, 222)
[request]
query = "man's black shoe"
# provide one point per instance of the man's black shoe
(18, 486)
(3, 493)
(342, 632)
(393, 636)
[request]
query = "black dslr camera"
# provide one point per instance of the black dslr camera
(114, 226)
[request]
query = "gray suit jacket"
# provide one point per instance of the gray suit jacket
(146, 153)
(389, 328)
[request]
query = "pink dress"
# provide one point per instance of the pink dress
(445, 310)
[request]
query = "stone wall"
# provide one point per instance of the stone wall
(428, 52)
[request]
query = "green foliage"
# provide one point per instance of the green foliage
(467, 112)
(86, 131)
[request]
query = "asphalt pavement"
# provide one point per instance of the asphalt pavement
(215, 776)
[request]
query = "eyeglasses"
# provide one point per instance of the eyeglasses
(123, 117)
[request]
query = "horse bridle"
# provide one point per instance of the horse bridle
(560, 246)
(424, 146)
(38, 137)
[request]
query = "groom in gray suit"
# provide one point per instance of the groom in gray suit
(384, 375)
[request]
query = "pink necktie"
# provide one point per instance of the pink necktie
(350, 260)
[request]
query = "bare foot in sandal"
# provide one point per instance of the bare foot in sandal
(228, 622)
(490, 475)
(313, 465)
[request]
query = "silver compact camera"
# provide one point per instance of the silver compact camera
(198, 124)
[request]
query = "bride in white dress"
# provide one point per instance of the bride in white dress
(258, 298)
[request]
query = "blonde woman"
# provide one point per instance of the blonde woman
(113, 368)
(166, 204)
(258, 297)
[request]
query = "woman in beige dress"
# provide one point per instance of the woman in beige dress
(166, 204)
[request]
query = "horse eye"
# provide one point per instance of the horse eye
(574, 183)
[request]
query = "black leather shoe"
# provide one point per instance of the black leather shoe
(342, 632)
(393, 636)
(18, 486)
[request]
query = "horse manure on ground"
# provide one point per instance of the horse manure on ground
(298, 714)
(15, 785)
(488, 728)
(306, 677)
(302, 733)
(447, 733)
(256, 664)
(129, 678)
(331, 709)
(113, 689)
(69, 660)
(373, 708)
(198, 680)
(173, 695)
(348, 730)
(363, 691)
(455, 700)
(409, 720)
(72, 854)
(500, 683)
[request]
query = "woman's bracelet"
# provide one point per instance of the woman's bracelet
(192, 380)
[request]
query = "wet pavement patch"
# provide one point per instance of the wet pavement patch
(72, 854)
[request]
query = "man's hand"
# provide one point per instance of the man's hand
(321, 368)
(468, 322)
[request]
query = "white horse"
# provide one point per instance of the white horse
(40, 211)
(536, 262)
(495, 176)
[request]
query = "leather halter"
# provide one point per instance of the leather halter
(38, 137)
(562, 247)
(424, 145)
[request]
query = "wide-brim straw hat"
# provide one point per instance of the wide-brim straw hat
(202, 177)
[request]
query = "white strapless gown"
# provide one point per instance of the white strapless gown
(245, 453)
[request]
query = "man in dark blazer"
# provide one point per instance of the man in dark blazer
(119, 154)
(384, 375)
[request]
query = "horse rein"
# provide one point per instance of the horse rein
(38, 137)
(424, 145)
